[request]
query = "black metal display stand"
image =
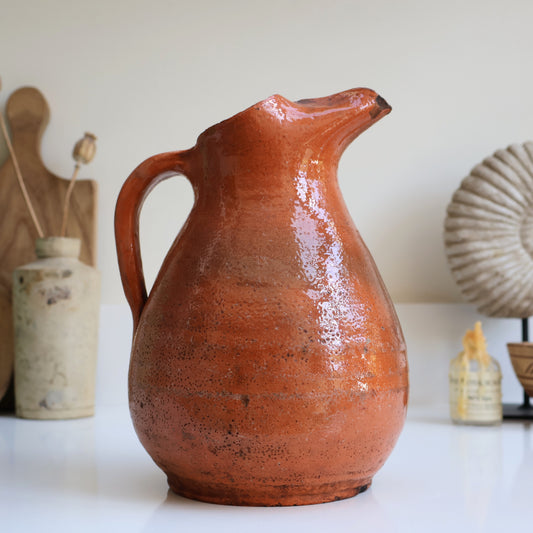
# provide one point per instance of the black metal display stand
(522, 411)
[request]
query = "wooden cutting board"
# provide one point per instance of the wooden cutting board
(27, 113)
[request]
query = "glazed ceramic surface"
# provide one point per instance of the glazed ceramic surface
(268, 365)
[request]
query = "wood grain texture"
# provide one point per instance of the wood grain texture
(27, 114)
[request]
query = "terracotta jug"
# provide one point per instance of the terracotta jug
(268, 365)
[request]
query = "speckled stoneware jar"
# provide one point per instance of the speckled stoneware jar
(56, 304)
(268, 366)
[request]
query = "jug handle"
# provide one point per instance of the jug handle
(129, 203)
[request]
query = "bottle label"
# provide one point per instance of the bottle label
(476, 397)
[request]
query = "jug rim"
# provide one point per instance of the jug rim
(257, 106)
(306, 107)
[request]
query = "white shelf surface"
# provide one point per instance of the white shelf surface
(93, 474)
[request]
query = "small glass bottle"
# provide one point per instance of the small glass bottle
(475, 383)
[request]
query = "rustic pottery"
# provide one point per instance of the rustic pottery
(27, 114)
(268, 366)
(56, 304)
(521, 354)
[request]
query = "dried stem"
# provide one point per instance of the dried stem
(20, 179)
(66, 203)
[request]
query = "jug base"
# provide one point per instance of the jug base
(273, 496)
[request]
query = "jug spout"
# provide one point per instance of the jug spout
(283, 127)
(345, 115)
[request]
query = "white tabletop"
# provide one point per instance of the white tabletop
(93, 475)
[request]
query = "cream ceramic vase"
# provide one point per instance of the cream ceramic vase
(56, 303)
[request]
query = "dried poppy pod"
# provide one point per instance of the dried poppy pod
(85, 149)
(83, 152)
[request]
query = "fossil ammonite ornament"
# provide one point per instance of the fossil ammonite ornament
(488, 233)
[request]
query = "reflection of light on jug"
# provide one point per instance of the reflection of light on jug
(479, 453)
(315, 231)
(55, 455)
(176, 513)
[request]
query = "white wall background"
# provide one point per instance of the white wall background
(149, 76)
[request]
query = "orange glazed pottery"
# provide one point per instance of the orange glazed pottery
(268, 365)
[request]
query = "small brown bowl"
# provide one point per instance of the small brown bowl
(521, 354)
